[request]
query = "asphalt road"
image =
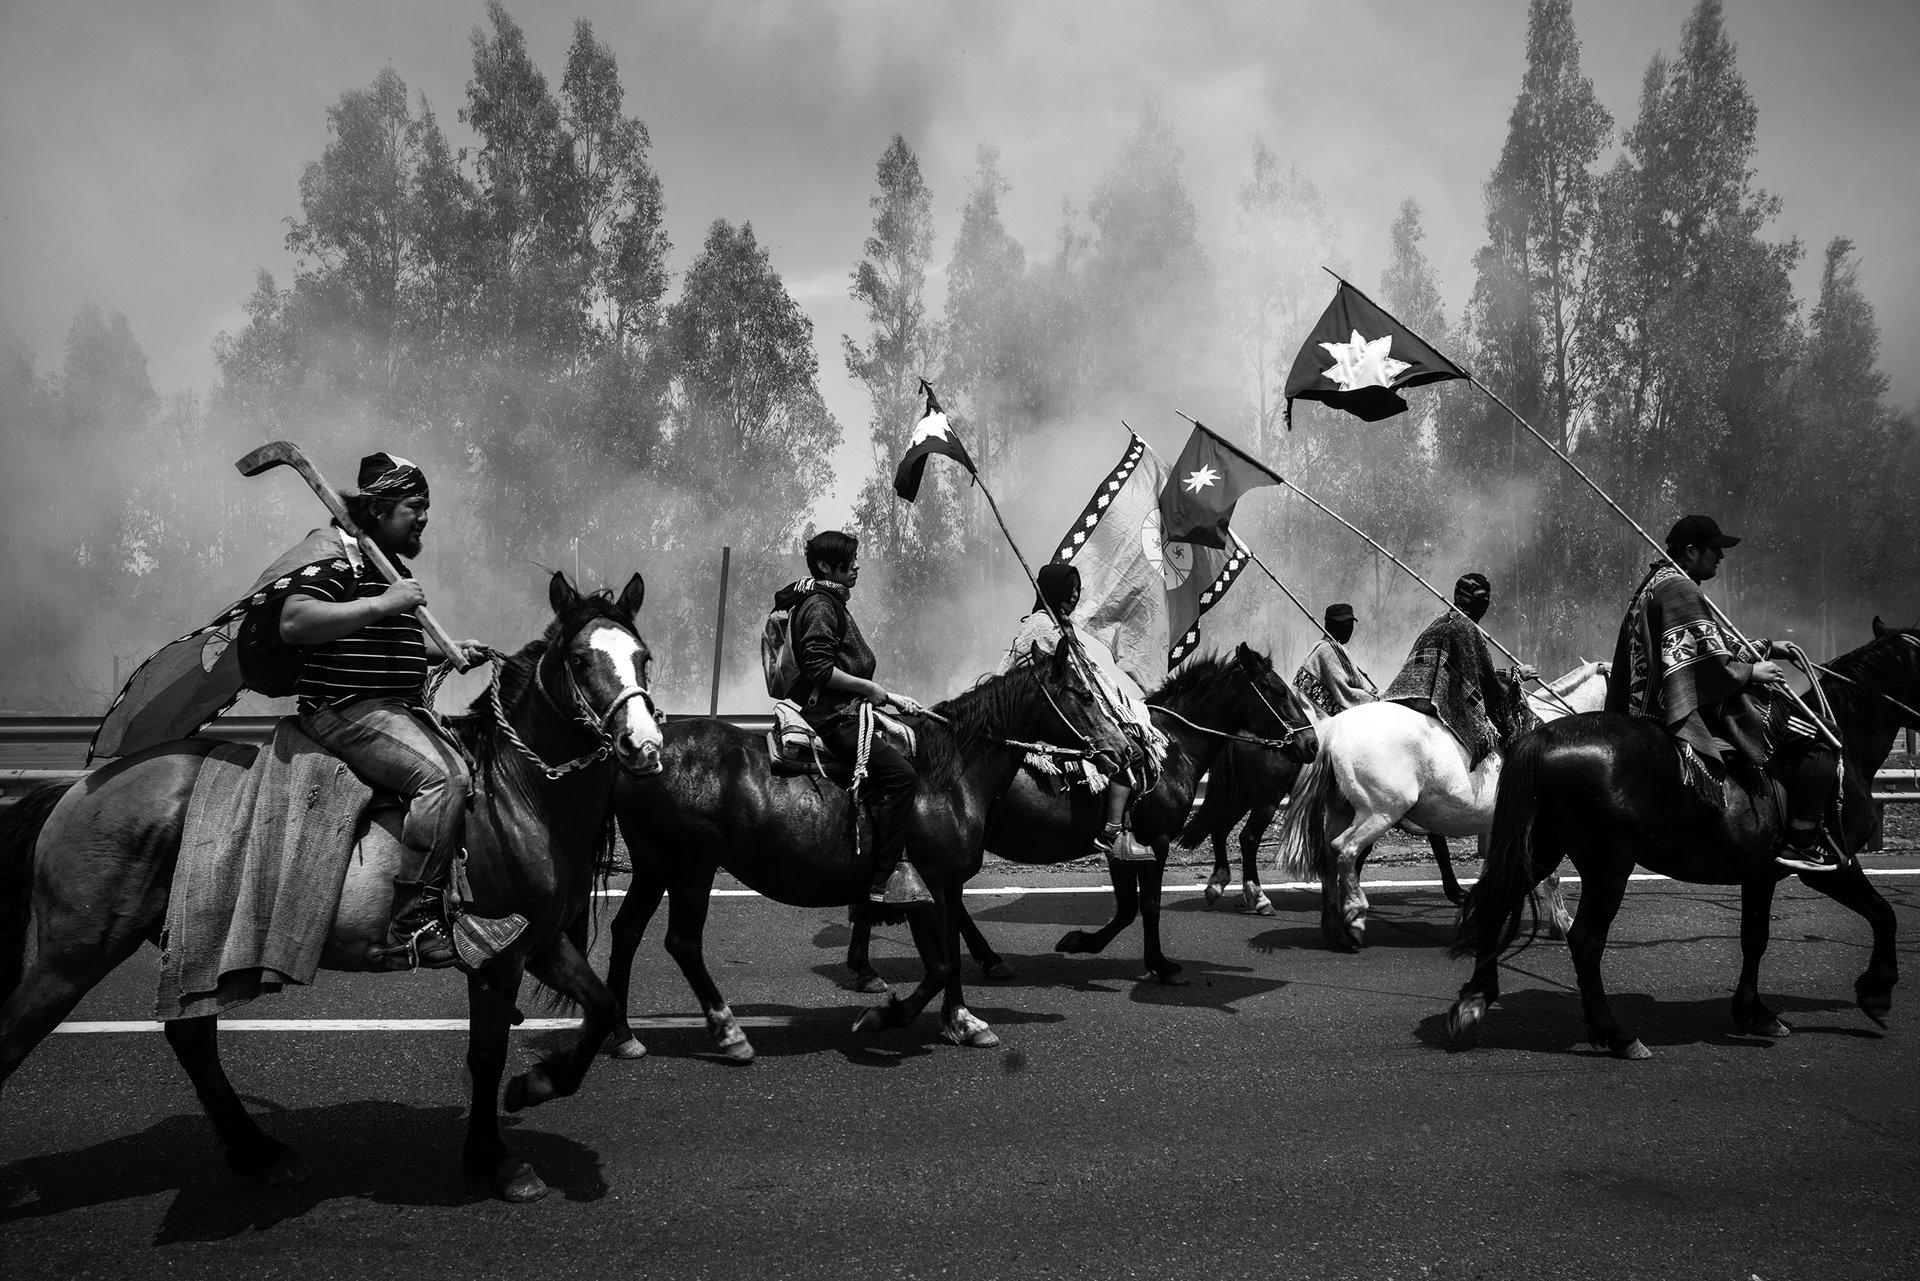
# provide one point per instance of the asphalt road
(1291, 1113)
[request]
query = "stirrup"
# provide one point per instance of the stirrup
(904, 888)
(478, 939)
(391, 955)
(1125, 849)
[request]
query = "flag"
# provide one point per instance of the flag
(1136, 590)
(1358, 358)
(1216, 571)
(1211, 475)
(933, 435)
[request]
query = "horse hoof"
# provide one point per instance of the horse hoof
(1262, 906)
(1213, 893)
(871, 983)
(1876, 1005)
(1633, 1051)
(999, 971)
(1465, 1016)
(516, 1182)
(529, 1089)
(1072, 941)
(1169, 977)
(628, 1049)
(872, 1019)
(738, 1051)
(964, 1029)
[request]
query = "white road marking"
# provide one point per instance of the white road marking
(1466, 882)
(412, 1025)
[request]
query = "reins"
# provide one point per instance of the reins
(595, 724)
(1888, 698)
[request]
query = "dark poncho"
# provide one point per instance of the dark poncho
(1675, 665)
(1450, 674)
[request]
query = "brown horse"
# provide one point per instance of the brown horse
(720, 804)
(86, 869)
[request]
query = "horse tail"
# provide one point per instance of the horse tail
(20, 826)
(1223, 800)
(1490, 914)
(1303, 830)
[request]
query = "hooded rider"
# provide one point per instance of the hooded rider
(1330, 679)
(836, 676)
(362, 694)
(1449, 674)
(1677, 666)
(1059, 585)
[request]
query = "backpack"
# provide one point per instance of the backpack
(777, 658)
(268, 664)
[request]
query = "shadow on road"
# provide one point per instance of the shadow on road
(388, 1153)
(1548, 1022)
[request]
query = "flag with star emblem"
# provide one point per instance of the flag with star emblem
(933, 435)
(1358, 358)
(1139, 594)
(1197, 504)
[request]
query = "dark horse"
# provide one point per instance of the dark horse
(720, 804)
(86, 868)
(1208, 710)
(1605, 790)
(1246, 782)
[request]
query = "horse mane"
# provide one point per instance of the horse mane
(1875, 665)
(1204, 674)
(978, 716)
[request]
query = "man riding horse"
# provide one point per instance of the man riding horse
(1676, 666)
(1449, 675)
(836, 677)
(1330, 678)
(362, 692)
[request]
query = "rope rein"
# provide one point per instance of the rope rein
(587, 719)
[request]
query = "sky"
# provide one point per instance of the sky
(151, 153)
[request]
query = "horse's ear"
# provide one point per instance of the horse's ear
(1252, 659)
(1879, 628)
(632, 596)
(560, 593)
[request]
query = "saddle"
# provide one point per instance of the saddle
(793, 747)
(264, 853)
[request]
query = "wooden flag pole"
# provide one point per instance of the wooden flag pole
(1416, 578)
(1825, 731)
(1288, 593)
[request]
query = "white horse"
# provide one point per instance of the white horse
(1383, 765)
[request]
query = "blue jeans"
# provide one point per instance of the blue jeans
(392, 745)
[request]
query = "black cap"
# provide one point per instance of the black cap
(1698, 531)
(1342, 613)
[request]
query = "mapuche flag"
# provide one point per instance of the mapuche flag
(1197, 504)
(1358, 358)
(933, 435)
(1137, 591)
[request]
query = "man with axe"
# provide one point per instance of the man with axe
(362, 691)
(337, 622)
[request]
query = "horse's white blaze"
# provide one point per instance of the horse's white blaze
(622, 651)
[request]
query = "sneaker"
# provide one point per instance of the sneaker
(1814, 859)
(1104, 842)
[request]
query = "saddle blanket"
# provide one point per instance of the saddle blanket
(263, 856)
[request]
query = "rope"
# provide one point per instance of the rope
(1252, 740)
(1841, 676)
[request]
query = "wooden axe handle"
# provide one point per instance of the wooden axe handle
(284, 453)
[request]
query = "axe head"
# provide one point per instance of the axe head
(275, 453)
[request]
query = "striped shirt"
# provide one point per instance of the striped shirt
(386, 658)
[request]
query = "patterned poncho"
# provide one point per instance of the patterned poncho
(1450, 674)
(1675, 665)
(1332, 681)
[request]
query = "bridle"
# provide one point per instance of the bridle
(1282, 743)
(1888, 698)
(595, 724)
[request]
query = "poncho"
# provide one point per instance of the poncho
(1450, 674)
(1332, 681)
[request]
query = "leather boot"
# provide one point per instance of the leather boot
(417, 936)
(898, 886)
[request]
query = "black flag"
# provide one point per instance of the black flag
(933, 435)
(1358, 357)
